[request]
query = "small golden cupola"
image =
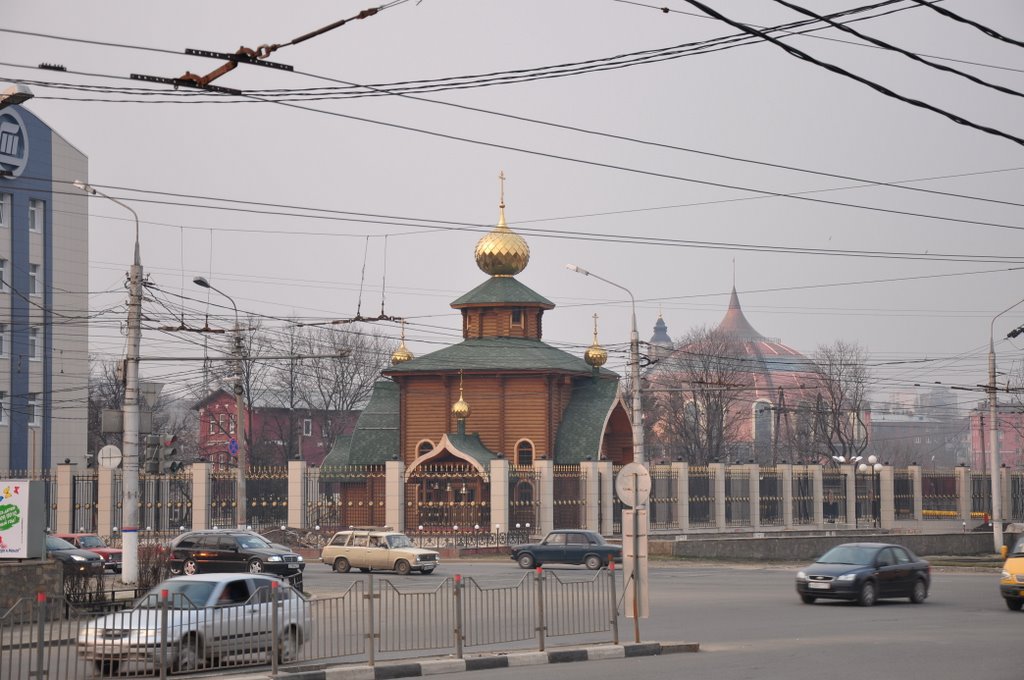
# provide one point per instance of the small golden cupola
(402, 354)
(502, 252)
(460, 409)
(595, 355)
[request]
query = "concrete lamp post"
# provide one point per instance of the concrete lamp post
(241, 515)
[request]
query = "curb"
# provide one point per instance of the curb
(407, 669)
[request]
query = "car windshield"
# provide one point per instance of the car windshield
(1018, 549)
(91, 542)
(252, 542)
(849, 554)
(399, 541)
(180, 594)
(54, 543)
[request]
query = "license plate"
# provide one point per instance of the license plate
(819, 586)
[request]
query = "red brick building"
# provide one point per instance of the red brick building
(276, 434)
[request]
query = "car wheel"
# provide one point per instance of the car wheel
(189, 654)
(427, 571)
(106, 668)
(526, 561)
(255, 566)
(868, 594)
(593, 562)
(174, 571)
(288, 646)
(808, 599)
(190, 567)
(919, 593)
(402, 568)
(1014, 604)
(341, 565)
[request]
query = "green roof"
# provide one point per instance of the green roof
(375, 438)
(338, 456)
(502, 290)
(471, 445)
(496, 354)
(583, 424)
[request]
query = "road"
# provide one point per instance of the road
(750, 624)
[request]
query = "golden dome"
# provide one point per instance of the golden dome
(402, 354)
(502, 252)
(460, 409)
(595, 355)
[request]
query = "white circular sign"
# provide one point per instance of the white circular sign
(13, 143)
(110, 456)
(633, 485)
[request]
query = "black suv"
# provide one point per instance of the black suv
(220, 550)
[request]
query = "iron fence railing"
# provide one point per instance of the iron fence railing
(737, 497)
(663, 506)
(940, 497)
(770, 496)
(278, 627)
(701, 481)
(903, 495)
(833, 497)
(803, 496)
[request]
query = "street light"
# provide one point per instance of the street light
(240, 495)
(997, 497)
(634, 360)
(872, 466)
(130, 409)
(14, 95)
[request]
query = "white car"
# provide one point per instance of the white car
(193, 622)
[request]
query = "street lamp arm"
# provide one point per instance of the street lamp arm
(90, 189)
(581, 270)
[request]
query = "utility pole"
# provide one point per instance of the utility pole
(130, 440)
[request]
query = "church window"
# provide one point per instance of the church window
(524, 452)
(424, 447)
(517, 318)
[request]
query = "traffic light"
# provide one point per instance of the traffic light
(168, 452)
(152, 455)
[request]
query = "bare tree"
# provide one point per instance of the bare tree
(842, 398)
(697, 402)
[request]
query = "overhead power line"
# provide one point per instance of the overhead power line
(799, 54)
(894, 48)
(930, 4)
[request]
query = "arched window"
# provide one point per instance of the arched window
(524, 452)
(424, 447)
(762, 427)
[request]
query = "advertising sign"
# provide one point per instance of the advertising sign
(14, 513)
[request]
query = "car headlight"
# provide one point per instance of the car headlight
(1005, 575)
(300, 558)
(847, 577)
(274, 558)
(78, 558)
(801, 576)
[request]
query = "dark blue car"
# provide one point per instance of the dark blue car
(865, 573)
(568, 546)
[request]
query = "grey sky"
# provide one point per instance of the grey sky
(753, 101)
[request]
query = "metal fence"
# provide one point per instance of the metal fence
(279, 627)
(1015, 511)
(903, 495)
(338, 497)
(803, 496)
(833, 483)
(770, 497)
(702, 497)
(570, 496)
(737, 497)
(940, 497)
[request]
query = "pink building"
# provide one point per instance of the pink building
(1010, 430)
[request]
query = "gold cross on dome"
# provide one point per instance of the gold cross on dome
(501, 178)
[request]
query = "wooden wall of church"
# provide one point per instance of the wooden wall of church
(503, 410)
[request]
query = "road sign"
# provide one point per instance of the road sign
(110, 456)
(633, 485)
(233, 446)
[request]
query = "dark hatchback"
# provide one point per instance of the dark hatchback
(865, 573)
(74, 559)
(218, 551)
(568, 546)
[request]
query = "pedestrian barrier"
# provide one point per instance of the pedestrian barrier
(169, 635)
